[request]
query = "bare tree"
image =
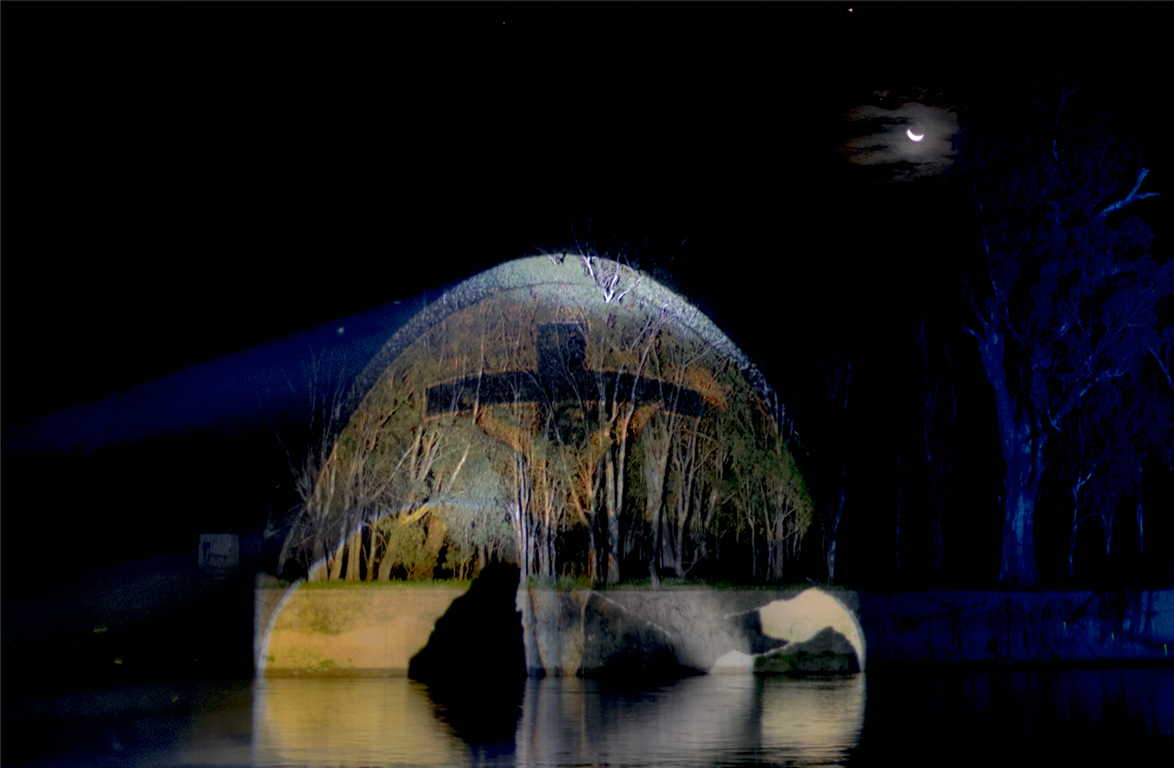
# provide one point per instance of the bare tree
(669, 435)
(391, 459)
(1062, 297)
(839, 386)
(939, 412)
(1082, 462)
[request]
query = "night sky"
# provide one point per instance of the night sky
(207, 208)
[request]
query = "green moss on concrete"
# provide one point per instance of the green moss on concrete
(561, 584)
(306, 660)
(803, 663)
(332, 620)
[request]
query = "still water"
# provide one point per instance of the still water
(912, 717)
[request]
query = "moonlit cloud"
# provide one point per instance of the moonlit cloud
(880, 141)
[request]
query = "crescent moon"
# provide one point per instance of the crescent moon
(914, 136)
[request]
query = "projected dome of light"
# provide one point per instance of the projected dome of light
(566, 413)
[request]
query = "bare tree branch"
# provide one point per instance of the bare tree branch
(1164, 367)
(1132, 197)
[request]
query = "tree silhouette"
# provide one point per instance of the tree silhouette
(1062, 293)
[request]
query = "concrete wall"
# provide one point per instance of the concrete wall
(1018, 627)
(628, 631)
(350, 632)
(380, 630)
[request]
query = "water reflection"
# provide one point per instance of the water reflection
(701, 721)
(1028, 717)
(706, 720)
(811, 721)
(375, 721)
(911, 715)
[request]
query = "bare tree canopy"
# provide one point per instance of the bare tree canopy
(1063, 294)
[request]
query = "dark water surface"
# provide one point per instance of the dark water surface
(922, 716)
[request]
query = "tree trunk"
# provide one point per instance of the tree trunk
(936, 457)
(613, 540)
(839, 388)
(831, 559)
(433, 543)
(521, 513)
(1017, 565)
(371, 540)
(354, 554)
(1140, 526)
(1072, 533)
(753, 546)
(897, 532)
(388, 560)
(684, 518)
(335, 561)
(1023, 450)
(318, 569)
(653, 576)
(613, 519)
(655, 441)
(543, 491)
(1017, 562)
(596, 539)
(686, 462)
(836, 514)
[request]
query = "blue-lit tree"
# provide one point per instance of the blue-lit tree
(1105, 446)
(1062, 293)
(1154, 434)
(1098, 451)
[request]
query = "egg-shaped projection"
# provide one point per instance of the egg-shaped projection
(565, 413)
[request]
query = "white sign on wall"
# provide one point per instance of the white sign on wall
(219, 553)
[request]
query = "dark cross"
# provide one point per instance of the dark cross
(562, 376)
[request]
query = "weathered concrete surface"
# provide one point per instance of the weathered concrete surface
(351, 632)
(1019, 627)
(584, 632)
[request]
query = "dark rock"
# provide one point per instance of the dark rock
(627, 645)
(828, 652)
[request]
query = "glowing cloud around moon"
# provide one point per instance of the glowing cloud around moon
(914, 136)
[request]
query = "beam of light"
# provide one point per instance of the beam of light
(230, 392)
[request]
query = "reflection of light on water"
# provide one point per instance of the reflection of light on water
(568, 720)
(696, 721)
(349, 722)
(818, 719)
(916, 717)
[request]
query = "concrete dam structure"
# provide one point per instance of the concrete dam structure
(382, 631)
